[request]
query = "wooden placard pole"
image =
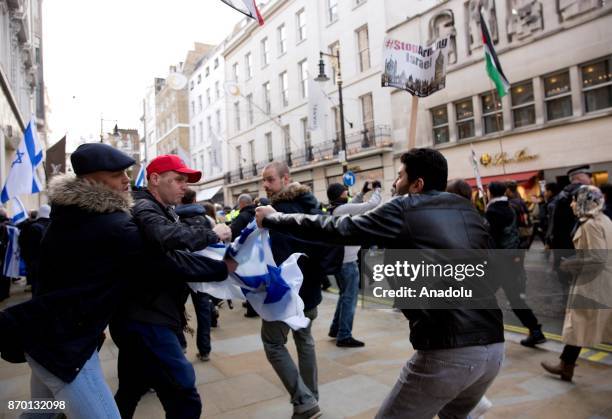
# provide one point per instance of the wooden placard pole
(414, 109)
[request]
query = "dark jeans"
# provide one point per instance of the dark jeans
(5, 287)
(150, 356)
(570, 354)
(203, 310)
(513, 292)
(348, 284)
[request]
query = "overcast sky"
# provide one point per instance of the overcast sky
(100, 55)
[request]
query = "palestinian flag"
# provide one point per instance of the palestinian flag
(247, 7)
(494, 69)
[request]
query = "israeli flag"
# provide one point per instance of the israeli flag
(20, 213)
(272, 290)
(140, 179)
(12, 257)
(22, 177)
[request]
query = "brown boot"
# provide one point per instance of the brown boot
(566, 371)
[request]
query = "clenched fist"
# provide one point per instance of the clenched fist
(261, 212)
(224, 232)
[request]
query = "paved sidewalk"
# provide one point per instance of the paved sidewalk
(239, 383)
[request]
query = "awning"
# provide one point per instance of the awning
(517, 177)
(206, 194)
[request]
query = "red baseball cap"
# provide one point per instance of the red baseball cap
(172, 162)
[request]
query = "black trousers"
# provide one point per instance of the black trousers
(5, 287)
(151, 356)
(570, 354)
(513, 292)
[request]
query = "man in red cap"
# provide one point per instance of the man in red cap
(146, 332)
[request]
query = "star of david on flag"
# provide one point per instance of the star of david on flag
(22, 177)
(272, 290)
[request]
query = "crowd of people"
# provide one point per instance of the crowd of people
(113, 258)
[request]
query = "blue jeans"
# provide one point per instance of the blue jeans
(87, 396)
(203, 310)
(150, 356)
(348, 283)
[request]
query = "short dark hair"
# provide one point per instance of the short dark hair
(189, 197)
(281, 167)
(497, 189)
(427, 164)
(512, 186)
(210, 210)
(606, 190)
(460, 187)
(552, 187)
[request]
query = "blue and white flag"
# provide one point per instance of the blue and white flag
(140, 179)
(12, 257)
(20, 213)
(22, 177)
(272, 290)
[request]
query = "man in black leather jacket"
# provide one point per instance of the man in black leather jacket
(146, 330)
(459, 351)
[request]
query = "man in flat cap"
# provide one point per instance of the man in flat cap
(562, 221)
(86, 258)
(150, 355)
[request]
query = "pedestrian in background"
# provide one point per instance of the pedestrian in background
(586, 322)
(348, 278)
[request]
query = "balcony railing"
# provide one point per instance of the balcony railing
(368, 139)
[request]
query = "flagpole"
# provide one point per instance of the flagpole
(414, 110)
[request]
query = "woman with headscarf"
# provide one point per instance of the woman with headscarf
(588, 318)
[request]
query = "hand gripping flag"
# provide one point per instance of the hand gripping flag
(22, 177)
(494, 69)
(247, 7)
(272, 290)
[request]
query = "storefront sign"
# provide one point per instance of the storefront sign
(500, 159)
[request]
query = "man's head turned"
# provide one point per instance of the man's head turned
(580, 175)
(189, 197)
(497, 189)
(244, 200)
(275, 177)
(101, 163)
(422, 170)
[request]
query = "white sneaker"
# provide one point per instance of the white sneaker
(481, 408)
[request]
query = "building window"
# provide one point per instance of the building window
(332, 10)
(284, 88)
(523, 107)
(300, 18)
(199, 78)
(367, 113)
(200, 104)
(209, 126)
(306, 137)
(248, 65)
(250, 108)
(287, 142)
(217, 90)
(303, 72)
(208, 101)
(252, 153)
(558, 96)
(334, 49)
(265, 52)
(337, 123)
(269, 150)
(218, 119)
(216, 62)
(207, 72)
(266, 97)
(201, 132)
(492, 113)
(235, 71)
(191, 85)
(282, 39)
(359, 2)
(464, 109)
(597, 85)
(363, 45)
(193, 136)
(440, 124)
(239, 157)
(192, 107)
(237, 116)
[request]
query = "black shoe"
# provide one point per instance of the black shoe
(534, 338)
(313, 413)
(349, 343)
(333, 334)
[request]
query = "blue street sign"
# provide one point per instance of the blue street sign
(348, 179)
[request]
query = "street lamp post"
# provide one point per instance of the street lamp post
(322, 77)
